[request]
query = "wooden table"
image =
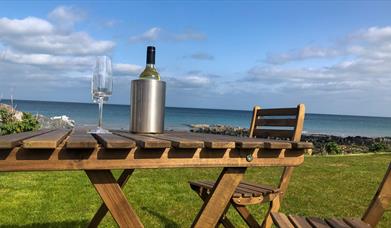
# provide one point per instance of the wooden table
(97, 155)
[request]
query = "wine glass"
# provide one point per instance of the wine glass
(101, 87)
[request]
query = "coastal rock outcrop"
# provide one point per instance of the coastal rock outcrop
(44, 121)
(349, 144)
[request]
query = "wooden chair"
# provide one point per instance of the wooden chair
(372, 216)
(291, 120)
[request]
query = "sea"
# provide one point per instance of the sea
(117, 117)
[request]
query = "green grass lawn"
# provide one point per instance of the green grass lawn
(322, 186)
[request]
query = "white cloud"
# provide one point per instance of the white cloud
(26, 26)
(123, 69)
(149, 35)
(192, 80)
(65, 17)
(156, 33)
(38, 54)
(363, 65)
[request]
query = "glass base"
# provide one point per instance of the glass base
(99, 130)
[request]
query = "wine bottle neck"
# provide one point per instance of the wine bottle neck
(150, 65)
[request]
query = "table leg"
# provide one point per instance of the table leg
(213, 208)
(100, 214)
(113, 197)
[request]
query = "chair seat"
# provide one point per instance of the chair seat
(244, 193)
(284, 221)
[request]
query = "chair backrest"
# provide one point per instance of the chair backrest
(380, 202)
(283, 123)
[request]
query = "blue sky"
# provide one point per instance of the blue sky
(333, 56)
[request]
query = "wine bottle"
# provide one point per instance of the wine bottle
(150, 71)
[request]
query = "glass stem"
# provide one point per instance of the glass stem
(100, 123)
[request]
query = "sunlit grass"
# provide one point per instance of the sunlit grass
(322, 186)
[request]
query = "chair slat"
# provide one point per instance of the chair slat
(299, 221)
(276, 122)
(281, 220)
(356, 223)
(112, 141)
(337, 223)
(13, 140)
(210, 141)
(264, 133)
(277, 112)
(178, 141)
(48, 140)
(145, 141)
(317, 222)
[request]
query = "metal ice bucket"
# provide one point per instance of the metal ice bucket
(147, 106)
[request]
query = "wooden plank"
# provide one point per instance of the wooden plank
(337, 223)
(380, 202)
(281, 220)
(80, 139)
(48, 140)
(112, 141)
(317, 222)
(213, 208)
(276, 122)
(13, 140)
(113, 197)
(145, 141)
(210, 140)
(356, 223)
(264, 133)
(299, 221)
(102, 211)
(277, 112)
(179, 142)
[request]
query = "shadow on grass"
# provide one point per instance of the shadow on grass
(165, 221)
(82, 223)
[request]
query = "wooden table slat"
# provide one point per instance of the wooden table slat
(145, 141)
(112, 141)
(245, 142)
(80, 139)
(210, 140)
(48, 140)
(178, 141)
(13, 140)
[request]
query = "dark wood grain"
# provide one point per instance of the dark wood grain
(210, 140)
(80, 139)
(299, 221)
(337, 223)
(145, 141)
(276, 122)
(281, 220)
(179, 142)
(112, 141)
(48, 140)
(277, 112)
(13, 140)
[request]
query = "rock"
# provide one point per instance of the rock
(56, 122)
(350, 144)
(17, 114)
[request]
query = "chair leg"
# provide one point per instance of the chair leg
(274, 207)
(224, 220)
(247, 216)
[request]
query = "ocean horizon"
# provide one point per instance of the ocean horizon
(116, 116)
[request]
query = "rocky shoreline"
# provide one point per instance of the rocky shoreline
(44, 121)
(323, 144)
